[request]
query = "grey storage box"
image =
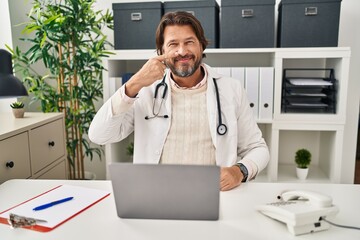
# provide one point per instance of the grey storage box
(247, 24)
(135, 24)
(308, 23)
(207, 12)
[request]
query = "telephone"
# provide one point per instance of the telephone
(302, 211)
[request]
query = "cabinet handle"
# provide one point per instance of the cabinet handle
(10, 164)
(51, 143)
(311, 11)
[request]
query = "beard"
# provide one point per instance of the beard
(184, 69)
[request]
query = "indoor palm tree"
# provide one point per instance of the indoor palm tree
(67, 39)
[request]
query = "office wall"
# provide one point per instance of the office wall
(349, 35)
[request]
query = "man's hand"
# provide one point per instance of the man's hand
(151, 71)
(230, 177)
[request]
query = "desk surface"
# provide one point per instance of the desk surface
(238, 217)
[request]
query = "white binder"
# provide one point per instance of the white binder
(266, 93)
(239, 73)
(252, 88)
(226, 71)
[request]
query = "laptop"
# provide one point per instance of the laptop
(152, 191)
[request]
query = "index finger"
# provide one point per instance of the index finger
(166, 56)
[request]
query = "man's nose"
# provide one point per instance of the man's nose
(182, 50)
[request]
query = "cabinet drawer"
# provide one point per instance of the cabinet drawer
(56, 172)
(46, 144)
(15, 157)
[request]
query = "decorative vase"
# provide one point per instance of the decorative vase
(18, 112)
(302, 173)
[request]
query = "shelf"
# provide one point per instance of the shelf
(287, 173)
(327, 52)
(322, 133)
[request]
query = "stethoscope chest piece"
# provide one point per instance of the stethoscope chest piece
(221, 129)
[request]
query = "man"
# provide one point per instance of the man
(177, 120)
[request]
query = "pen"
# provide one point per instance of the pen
(47, 205)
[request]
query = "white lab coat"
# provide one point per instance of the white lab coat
(243, 139)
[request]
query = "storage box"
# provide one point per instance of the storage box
(247, 24)
(308, 23)
(207, 12)
(135, 24)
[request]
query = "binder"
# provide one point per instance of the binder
(83, 198)
(252, 88)
(239, 73)
(266, 93)
(226, 71)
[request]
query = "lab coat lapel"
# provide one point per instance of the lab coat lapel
(218, 141)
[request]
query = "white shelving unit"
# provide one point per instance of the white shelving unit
(322, 134)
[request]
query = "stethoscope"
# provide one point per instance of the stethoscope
(221, 128)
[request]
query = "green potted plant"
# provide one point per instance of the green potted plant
(18, 109)
(65, 36)
(302, 160)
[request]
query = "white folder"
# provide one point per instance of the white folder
(239, 73)
(266, 93)
(252, 88)
(226, 71)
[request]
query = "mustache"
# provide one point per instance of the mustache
(187, 56)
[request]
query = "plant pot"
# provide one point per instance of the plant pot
(18, 112)
(302, 173)
(87, 175)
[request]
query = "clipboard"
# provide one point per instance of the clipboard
(83, 198)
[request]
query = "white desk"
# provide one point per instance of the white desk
(238, 219)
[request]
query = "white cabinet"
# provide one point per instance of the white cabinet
(322, 134)
(33, 146)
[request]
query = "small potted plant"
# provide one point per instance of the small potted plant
(18, 109)
(302, 160)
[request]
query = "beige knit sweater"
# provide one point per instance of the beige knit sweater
(189, 140)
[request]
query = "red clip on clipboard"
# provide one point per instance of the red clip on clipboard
(83, 198)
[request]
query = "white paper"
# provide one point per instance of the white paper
(309, 104)
(309, 94)
(309, 82)
(83, 198)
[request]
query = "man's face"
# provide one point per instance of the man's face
(182, 39)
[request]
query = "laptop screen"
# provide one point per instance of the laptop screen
(166, 191)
